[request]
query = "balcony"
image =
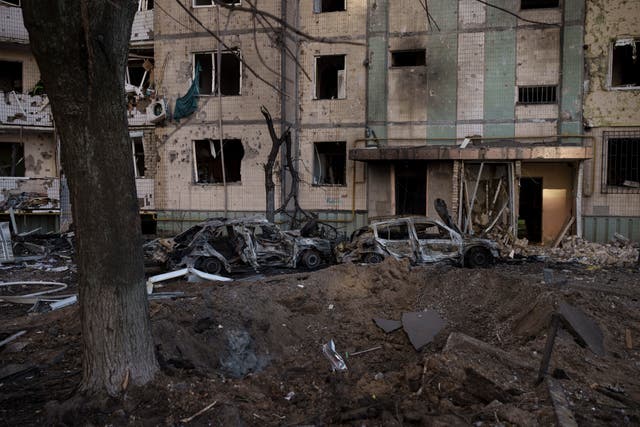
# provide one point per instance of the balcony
(12, 28)
(142, 28)
(19, 109)
(25, 194)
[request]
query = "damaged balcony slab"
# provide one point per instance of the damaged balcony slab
(519, 152)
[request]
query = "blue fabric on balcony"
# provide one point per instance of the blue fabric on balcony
(188, 104)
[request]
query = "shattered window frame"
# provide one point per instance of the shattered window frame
(211, 3)
(15, 3)
(340, 90)
(398, 56)
(137, 141)
(331, 158)
(620, 162)
(619, 45)
(211, 167)
(11, 68)
(14, 153)
(214, 86)
(320, 7)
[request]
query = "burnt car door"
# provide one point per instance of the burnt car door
(436, 242)
(272, 247)
(395, 237)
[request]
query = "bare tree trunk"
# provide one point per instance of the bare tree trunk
(81, 48)
(269, 185)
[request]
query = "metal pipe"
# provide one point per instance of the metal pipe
(585, 137)
(220, 135)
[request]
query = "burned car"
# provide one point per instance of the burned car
(421, 240)
(231, 245)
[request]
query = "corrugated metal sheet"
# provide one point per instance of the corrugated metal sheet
(602, 229)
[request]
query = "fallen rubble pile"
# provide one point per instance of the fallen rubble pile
(620, 252)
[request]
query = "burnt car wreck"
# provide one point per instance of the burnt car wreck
(231, 245)
(418, 239)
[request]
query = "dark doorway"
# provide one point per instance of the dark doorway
(530, 221)
(411, 188)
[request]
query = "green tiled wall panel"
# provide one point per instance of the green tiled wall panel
(500, 75)
(442, 57)
(601, 229)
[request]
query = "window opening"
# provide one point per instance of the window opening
(539, 4)
(394, 232)
(625, 64)
(409, 58)
(230, 77)
(330, 163)
(209, 160)
(11, 159)
(145, 5)
(10, 76)
(321, 6)
(11, 2)
(621, 162)
(427, 231)
(537, 94)
(138, 157)
(330, 77)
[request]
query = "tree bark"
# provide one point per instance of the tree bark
(81, 48)
(269, 185)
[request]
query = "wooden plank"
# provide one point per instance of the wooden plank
(564, 231)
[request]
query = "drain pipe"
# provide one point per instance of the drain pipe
(221, 137)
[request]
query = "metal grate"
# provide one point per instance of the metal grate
(537, 94)
(621, 162)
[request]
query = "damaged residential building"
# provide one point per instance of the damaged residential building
(33, 192)
(391, 106)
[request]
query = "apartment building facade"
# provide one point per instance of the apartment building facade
(391, 105)
(612, 117)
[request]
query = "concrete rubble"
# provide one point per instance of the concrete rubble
(620, 252)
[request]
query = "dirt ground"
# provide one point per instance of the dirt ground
(254, 346)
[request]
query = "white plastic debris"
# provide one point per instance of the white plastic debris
(290, 395)
(181, 273)
(337, 362)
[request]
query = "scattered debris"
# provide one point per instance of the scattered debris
(387, 325)
(290, 395)
(12, 338)
(564, 416)
(184, 272)
(585, 329)
(422, 326)
(33, 298)
(357, 353)
(627, 339)
(200, 412)
(6, 247)
(337, 362)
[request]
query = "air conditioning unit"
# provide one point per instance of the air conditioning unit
(157, 110)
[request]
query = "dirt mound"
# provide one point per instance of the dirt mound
(254, 347)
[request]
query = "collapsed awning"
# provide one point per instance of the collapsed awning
(485, 153)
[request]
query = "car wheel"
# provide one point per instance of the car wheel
(209, 265)
(479, 257)
(311, 259)
(373, 258)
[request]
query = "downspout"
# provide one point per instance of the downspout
(221, 137)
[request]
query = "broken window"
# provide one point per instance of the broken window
(539, 4)
(230, 75)
(320, 6)
(11, 2)
(205, 3)
(11, 159)
(409, 58)
(208, 162)
(330, 77)
(10, 76)
(625, 64)
(139, 71)
(138, 156)
(329, 163)
(394, 232)
(429, 231)
(622, 166)
(537, 94)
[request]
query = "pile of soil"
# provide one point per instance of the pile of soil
(255, 348)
